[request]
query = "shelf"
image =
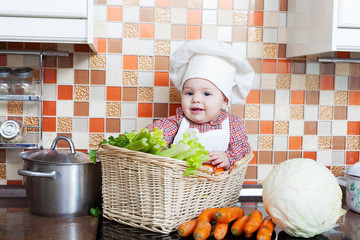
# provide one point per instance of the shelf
(20, 97)
(19, 145)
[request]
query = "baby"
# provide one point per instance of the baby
(210, 76)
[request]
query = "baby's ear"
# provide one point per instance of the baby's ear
(225, 103)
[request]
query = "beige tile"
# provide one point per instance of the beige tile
(338, 171)
(48, 46)
(81, 93)
(271, 19)
(113, 109)
(97, 61)
(354, 69)
(324, 142)
(146, 94)
(266, 143)
(342, 69)
(64, 125)
(32, 121)
(175, 96)
(146, 63)
(2, 171)
(313, 57)
(162, 15)
(15, 108)
(281, 127)
(131, 30)
(270, 50)
(162, 47)
(296, 112)
(326, 113)
(194, 3)
(353, 143)
(131, 2)
(130, 78)
(255, 34)
(341, 98)
(312, 82)
(240, 18)
(252, 111)
(95, 140)
(283, 81)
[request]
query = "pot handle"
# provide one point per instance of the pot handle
(71, 144)
(28, 173)
(342, 181)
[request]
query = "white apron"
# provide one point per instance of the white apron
(213, 140)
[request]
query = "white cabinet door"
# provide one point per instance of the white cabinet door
(349, 13)
(44, 8)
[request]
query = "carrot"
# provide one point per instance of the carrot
(253, 224)
(265, 230)
(220, 230)
(208, 168)
(187, 228)
(202, 231)
(207, 215)
(238, 226)
(217, 170)
(227, 215)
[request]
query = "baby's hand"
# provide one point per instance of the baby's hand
(219, 159)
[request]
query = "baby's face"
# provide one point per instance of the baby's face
(201, 100)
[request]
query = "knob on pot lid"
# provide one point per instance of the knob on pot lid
(355, 169)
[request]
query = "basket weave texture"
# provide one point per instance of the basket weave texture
(150, 192)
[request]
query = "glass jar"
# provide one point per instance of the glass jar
(13, 131)
(5, 81)
(24, 81)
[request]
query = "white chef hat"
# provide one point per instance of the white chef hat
(214, 61)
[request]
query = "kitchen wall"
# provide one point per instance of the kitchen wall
(297, 107)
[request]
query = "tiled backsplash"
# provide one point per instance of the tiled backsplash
(297, 107)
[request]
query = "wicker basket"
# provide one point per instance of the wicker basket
(150, 192)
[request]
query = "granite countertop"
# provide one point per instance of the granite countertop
(17, 222)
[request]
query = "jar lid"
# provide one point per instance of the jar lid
(355, 169)
(5, 72)
(9, 129)
(23, 72)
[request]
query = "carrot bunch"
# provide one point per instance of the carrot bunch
(200, 228)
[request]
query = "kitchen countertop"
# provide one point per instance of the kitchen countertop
(17, 222)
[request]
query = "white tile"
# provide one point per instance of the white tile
(271, 19)
(311, 112)
(117, 2)
(270, 35)
(310, 143)
(312, 68)
(282, 20)
(130, 14)
(130, 46)
(13, 61)
(281, 36)
(324, 157)
(341, 83)
(128, 110)
(128, 125)
(212, 4)
(326, 97)
(97, 109)
(143, 122)
(268, 81)
(266, 112)
(296, 128)
(225, 34)
(147, 3)
(49, 92)
(145, 79)
(339, 128)
(282, 112)
(241, 47)
(241, 4)
(100, 12)
(48, 138)
(254, 50)
(80, 140)
(174, 45)
(338, 158)
(298, 82)
(353, 113)
(97, 93)
(113, 77)
(65, 76)
(225, 17)
(163, 31)
(263, 170)
(13, 163)
(32, 61)
(271, 5)
(146, 47)
(114, 61)
(324, 128)
(80, 125)
(114, 30)
(100, 29)
(280, 143)
(209, 17)
(64, 108)
(178, 16)
(354, 54)
(282, 97)
(253, 141)
(81, 60)
(32, 137)
(161, 94)
(31, 108)
(256, 82)
(209, 32)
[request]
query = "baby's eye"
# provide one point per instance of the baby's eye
(207, 94)
(188, 93)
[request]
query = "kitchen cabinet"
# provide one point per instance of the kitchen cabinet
(60, 21)
(318, 26)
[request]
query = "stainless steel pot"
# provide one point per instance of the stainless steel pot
(61, 183)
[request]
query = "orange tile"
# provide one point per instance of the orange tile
(145, 109)
(101, 45)
(254, 159)
(49, 124)
(130, 62)
(49, 108)
(266, 127)
(193, 32)
(113, 93)
(194, 16)
(297, 97)
(311, 155)
(173, 107)
(161, 79)
(163, 3)
(354, 98)
(284, 66)
(114, 13)
(327, 83)
(343, 54)
(225, 4)
(352, 157)
(147, 30)
(255, 18)
(32, 46)
(3, 60)
(14, 182)
(81, 48)
(96, 125)
(16, 45)
(269, 66)
(248, 182)
(253, 96)
(65, 92)
(295, 143)
(49, 75)
(353, 128)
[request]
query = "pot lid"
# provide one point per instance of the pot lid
(355, 170)
(58, 157)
